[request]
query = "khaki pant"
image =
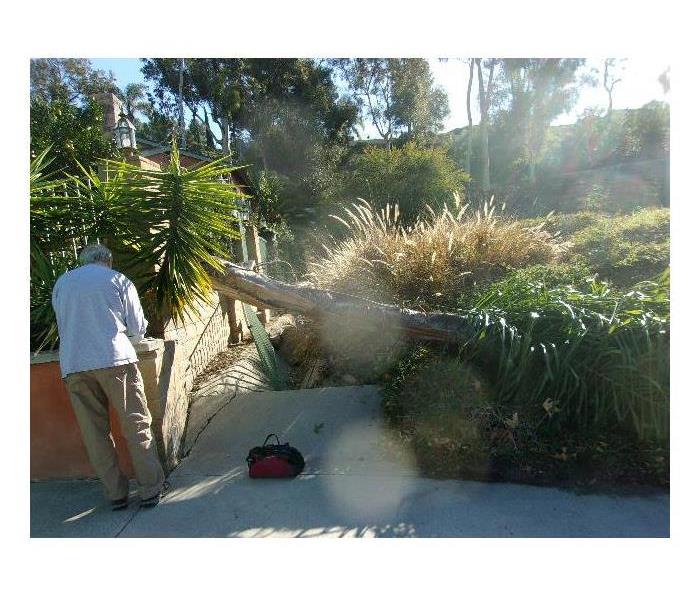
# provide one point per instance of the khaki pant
(91, 392)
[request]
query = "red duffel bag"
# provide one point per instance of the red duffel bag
(274, 460)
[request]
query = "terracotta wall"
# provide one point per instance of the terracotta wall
(56, 445)
(57, 449)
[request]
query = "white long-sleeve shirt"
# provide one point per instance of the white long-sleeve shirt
(96, 309)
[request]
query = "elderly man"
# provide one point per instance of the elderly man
(96, 309)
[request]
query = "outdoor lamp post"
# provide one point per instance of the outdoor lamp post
(125, 133)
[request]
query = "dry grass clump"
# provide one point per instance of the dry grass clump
(439, 258)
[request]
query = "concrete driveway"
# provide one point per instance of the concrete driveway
(359, 482)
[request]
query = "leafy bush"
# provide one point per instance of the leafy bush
(446, 402)
(73, 132)
(646, 132)
(435, 261)
(628, 248)
(411, 176)
(443, 408)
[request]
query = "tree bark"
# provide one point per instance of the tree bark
(211, 138)
(609, 82)
(468, 162)
(262, 291)
(225, 136)
(181, 121)
(484, 130)
(607, 89)
(531, 171)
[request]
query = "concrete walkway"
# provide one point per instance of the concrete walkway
(358, 482)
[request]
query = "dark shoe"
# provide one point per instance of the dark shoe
(120, 504)
(154, 500)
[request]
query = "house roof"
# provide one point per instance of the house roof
(148, 148)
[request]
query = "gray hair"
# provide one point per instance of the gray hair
(96, 253)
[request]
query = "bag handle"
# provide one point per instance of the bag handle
(274, 435)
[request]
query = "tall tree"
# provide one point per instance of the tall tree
(64, 115)
(665, 80)
(397, 95)
(74, 134)
(230, 92)
(211, 90)
(470, 126)
(470, 62)
(69, 79)
(160, 125)
(485, 101)
(540, 89)
(612, 75)
(418, 105)
(369, 81)
(135, 99)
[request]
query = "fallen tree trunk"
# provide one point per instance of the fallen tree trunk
(262, 291)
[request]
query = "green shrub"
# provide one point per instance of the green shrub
(572, 272)
(443, 407)
(574, 387)
(411, 176)
(624, 249)
(446, 401)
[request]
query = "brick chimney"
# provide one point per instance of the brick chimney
(112, 107)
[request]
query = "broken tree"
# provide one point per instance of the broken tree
(262, 291)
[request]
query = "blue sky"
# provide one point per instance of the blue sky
(639, 85)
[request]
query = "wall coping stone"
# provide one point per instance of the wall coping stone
(144, 346)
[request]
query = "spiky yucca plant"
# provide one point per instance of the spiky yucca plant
(46, 202)
(178, 222)
(168, 227)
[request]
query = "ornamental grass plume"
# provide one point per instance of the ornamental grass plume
(434, 261)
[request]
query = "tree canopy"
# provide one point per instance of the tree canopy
(238, 95)
(71, 80)
(410, 176)
(398, 95)
(64, 115)
(540, 90)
